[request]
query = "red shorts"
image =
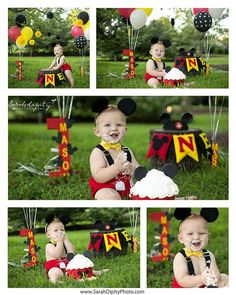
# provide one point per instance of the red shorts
(175, 284)
(60, 263)
(66, 67)
(96, 186)
(148, 77)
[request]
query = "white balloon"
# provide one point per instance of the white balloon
(216, 13)
(87, 34)
(138, 19)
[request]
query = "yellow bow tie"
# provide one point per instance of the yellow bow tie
(189, 252)
(107, 146)
(156, 59)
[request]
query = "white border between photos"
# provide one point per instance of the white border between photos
(231, 92)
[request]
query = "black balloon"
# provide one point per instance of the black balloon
(50, 15)
(172, 21)
(80, 42)
(202, 21)
(84, 16)
(49, 34)
(20, 20)
(58, 37)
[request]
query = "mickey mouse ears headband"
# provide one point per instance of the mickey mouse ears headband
(51, 217)
(209, 214)
(126, 105)
(166, 42)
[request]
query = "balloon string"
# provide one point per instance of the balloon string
(210, 112)
(59, 105)
(128, 31)
(63, 106)
(70, 109)
(136, 39)
(219, 116)
(214, 118)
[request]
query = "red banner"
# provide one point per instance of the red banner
(29, 234)
(95, 242)
(130, 54)
(60, 125)
(159, 145)
(162, 219)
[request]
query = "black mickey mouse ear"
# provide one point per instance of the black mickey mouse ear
(164, 117)
(140, 172)
(49, 218)
(169, 169)
(210, 214)
(154, 40)
(193, 50)
(182, 213)
(64, 219)
(127, 106)
(70, 256)
(88, 254)
(187, 118)
(166, 43)
(114, 222)
(181, 50)
(98, 223)
(99, 105)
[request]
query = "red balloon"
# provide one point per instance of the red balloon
(197, 10)
(76, 31)
(13, 33)
(125, 12)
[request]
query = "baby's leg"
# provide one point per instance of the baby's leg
(55, 274)
(224, 281)
(154, 83)
(107, 194)
(69, 76)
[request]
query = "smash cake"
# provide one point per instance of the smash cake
(174, 78)
(154, 186)
(79, 267)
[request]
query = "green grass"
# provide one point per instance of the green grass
(160, 275)
(124, 270)
(31, 143)
(216, 79)
(32, 65)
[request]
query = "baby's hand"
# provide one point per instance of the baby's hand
(129, 170)
(121, 162)
(209, 277)
(60, 237)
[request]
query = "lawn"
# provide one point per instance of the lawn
(31, 143)
(160, 275)
(32, 65)
(124, 270)
(109, 75)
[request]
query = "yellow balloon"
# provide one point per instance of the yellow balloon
(78, 22)
(87, 25)
(21, 41)
(31, 42)
(27, 33)
(147, 10)
(38, 34)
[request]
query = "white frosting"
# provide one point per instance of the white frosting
(79, 262)
(155, 185)
(175, 74)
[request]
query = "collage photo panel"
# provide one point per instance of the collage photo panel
(117, 156)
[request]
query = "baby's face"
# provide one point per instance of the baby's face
(111, 126)
(57, 51)
(157, 50)
(55, 230)
(194, 233)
